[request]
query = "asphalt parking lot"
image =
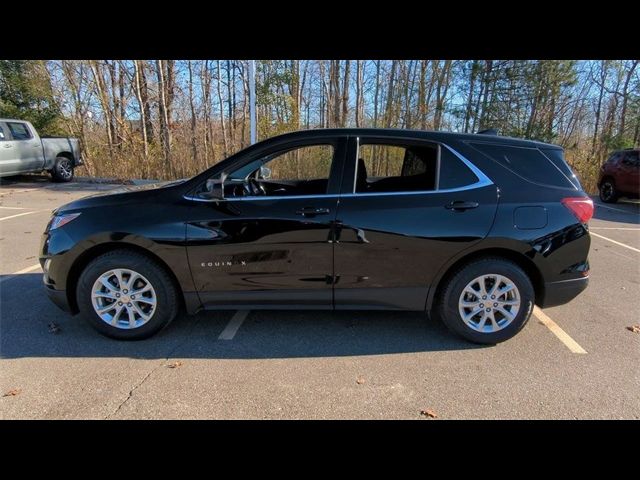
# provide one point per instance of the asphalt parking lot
(577, 361)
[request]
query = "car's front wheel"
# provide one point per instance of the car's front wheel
(126, 295)
(487, 301)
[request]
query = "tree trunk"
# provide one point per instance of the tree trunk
(422, 95)
(141, 105)
(221, 103)
(104, 102)
(359, 93)
(377, 95)
(345, 94)
(472, 81)
(625, 97)
(165, 137)
(441, 93)
(194, 147)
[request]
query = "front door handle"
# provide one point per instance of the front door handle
(312, 211)
(460, 206)
(8, 145)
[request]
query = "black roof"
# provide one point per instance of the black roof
(408, 133)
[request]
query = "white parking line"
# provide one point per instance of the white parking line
(563, 336)
(234, 324)
(19, 272)
(20, 215)
(616, 242)
(613, 228)
(613, 208)
(13, 208)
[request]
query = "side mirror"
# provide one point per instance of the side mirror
(215, 187)
(265, 172)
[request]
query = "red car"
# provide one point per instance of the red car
(620, 176)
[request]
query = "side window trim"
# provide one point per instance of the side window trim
(482, 181)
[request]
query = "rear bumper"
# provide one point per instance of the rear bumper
(559, 293)
(59, 297)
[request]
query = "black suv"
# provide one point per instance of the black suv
(475, 229)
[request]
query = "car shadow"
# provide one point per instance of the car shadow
(31, 326)
(624, 211)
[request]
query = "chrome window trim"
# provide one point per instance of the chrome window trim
(247, 199)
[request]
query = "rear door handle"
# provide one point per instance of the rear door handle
(460, 206)
(312, 211)
(8, 145)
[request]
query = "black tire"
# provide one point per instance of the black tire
(166, 293)
(63, 170)
(608, 191)
(447, 303)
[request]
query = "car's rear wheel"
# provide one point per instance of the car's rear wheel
(62, 170)
(608, 192)
(126, 295)
(487, 301)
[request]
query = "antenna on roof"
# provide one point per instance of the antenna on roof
(488, 131)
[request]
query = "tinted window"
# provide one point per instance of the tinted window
(396, 168)
(631, 158)
(305, 163)
(453, 172)
(557, 157)
(19, 131)
(614, 157)
(2, 136)
(529, 163)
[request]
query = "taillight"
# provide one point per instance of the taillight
(581, 207)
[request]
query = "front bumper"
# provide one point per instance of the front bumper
(59, 297)
(559, 293)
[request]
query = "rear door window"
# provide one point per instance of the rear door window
(3, 136)
(528, 163)
(408, 167)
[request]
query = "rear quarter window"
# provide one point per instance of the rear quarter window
(454, 173)
(530, 164)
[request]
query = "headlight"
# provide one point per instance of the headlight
(60, 220)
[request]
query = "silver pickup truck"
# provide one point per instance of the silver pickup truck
(22, 150)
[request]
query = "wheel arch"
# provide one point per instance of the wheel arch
(88, 255)
(606, 177)
(518, 258)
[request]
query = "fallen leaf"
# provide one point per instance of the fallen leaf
(13, 393)
(427, 412)
(54, 327)
(175, 364)
(360, 380)
(634, 328)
